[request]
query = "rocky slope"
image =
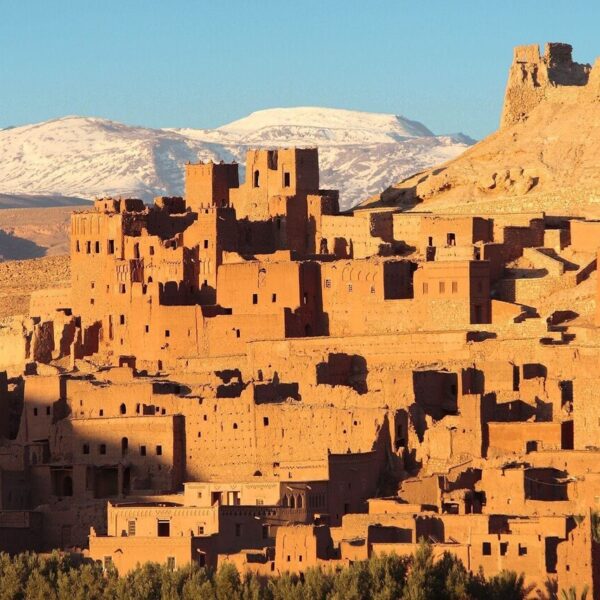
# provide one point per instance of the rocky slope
(545, 156)
(360, 153)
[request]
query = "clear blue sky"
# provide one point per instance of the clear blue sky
(169, 63)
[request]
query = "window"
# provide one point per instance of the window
(454, 287)
(167, 333)
(171, 563)
(206, 243)
(254, 298)
(122, 288)
(451, 239)
(159, 450)
(265, 532)
(102, 448)
(97, 245)
(256, 178)
(88, 247)
(86, 449)
(143, 450)
(107, 563)
(147, 328)
(123, 409)
(522, 550)
(111, 246)
(235, 426)
(124, 446)
(486, 549)
(238, 530)
(77, 248)
(328, 283)
(130, 527)
(163, 528)
(442, 287)
(372, 289)
(151, 250)
(503, 548)
(47, 410)
(265, 421)
(35, 412)
(274, 298)
(237, 333)
(286, 179)
(349, 287)
(122, 319)
(425, 288)
(259, 502)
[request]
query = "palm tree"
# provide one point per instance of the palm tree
(571, 593)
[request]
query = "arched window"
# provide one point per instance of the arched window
(124, 446)
(256, 178)
(123, 409)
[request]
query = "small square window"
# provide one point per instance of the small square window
(486, 549)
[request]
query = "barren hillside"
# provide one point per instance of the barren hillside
(18, 278)
(545, 156)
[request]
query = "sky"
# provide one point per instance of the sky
(170, 63)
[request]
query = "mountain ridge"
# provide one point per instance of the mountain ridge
(83, 156)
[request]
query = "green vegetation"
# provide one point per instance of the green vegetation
(419, 577)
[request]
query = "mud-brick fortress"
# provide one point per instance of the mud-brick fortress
(246, 375)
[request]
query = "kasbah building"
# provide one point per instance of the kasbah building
(247, 375)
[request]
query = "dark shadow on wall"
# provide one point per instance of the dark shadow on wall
(349, 370)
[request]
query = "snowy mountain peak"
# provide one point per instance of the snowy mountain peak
(328, 118)
(359, 153)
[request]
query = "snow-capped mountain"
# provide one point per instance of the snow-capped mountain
(360, 153)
